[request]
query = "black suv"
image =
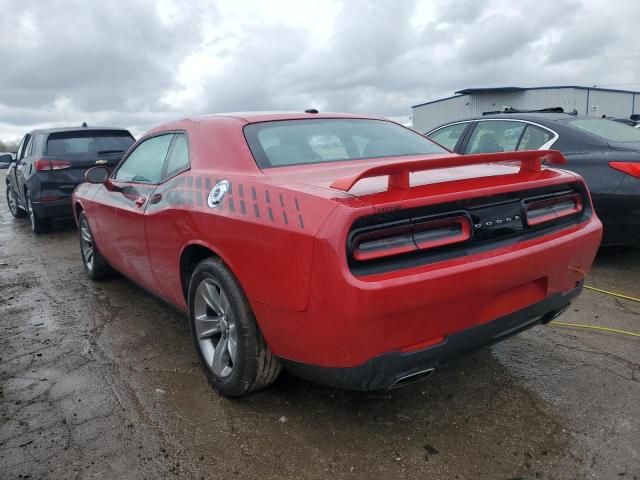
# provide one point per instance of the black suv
(50, 164)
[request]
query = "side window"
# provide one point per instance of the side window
(534, 137)
(495, 136)
(22, 146)
(449, 136)
(145, 163)
(178, 158)
(29, 148)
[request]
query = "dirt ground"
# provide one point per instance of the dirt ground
(99, 380)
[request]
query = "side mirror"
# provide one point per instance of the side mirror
(97, 175)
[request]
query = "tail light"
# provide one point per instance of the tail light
(630, 168)
(411, 236)
(549, 209)
(45, 165)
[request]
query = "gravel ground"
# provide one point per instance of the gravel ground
(99, 380)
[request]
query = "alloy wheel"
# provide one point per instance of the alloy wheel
(12, 201)
(215, 327)
(32, 215)
(86, 244)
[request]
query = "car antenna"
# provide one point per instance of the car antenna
(84, 125)
(311, 110)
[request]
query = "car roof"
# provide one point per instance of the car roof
(75, 129)
(244, 118)
(534, 115)
(265, 116)
(540, 117)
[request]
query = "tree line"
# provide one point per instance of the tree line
(9, 146)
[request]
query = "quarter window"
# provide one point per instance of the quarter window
(449, 136)
(495, 136)
(534, 137)
(145, 163)
(178, 158)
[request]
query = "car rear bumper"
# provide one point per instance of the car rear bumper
(54, 208)
(620, 215)
(398, 368)
(350, 321)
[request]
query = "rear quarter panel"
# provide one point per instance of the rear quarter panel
(263, 232)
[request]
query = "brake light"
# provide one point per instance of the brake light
(542, 211)
(420, 235)
(45, 165)
(630, 168)
(437, 233)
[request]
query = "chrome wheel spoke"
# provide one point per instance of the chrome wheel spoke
(232, 346)
(220, 361)
(212, 297)
(86, 236)
(207, 326)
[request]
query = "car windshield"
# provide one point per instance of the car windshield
(295, 142)
(89, 142)
(608, 129)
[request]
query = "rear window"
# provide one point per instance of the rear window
(608, 129)
(296, 142)
(89, 143)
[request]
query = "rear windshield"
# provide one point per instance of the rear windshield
(608, 129)
(295, 142)
(94, 143)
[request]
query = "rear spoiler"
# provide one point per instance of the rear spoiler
(398, 172)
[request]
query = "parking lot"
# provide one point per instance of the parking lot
(100, 380)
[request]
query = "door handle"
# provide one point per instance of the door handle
(140, 201)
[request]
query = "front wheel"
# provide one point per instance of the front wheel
(93, 262)
(38, 225)
(12, 202)
(231, 348)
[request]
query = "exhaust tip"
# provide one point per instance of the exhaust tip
(412, 378)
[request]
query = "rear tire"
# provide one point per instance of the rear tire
(93, 262)
(38, 224)
(12, 202)
(232, 351)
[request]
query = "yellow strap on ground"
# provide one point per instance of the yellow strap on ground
(613, 294)
(594, 327)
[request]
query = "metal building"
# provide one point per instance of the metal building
(472, 102)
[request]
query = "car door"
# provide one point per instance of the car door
(167, 220)
(123, 201)
(450, 136)
(21, 169)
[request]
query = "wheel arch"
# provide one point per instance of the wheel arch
(77, 208)
(192, 254)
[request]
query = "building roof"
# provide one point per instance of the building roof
(484, 90)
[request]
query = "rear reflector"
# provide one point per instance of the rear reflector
(424, 235)
(547, 210)
(45, 165)
(437, 233)
(630, 168)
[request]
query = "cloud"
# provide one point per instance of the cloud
(142, 62)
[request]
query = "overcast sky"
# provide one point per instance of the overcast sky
(137, 63)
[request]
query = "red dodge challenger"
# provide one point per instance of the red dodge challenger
(346, 248)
